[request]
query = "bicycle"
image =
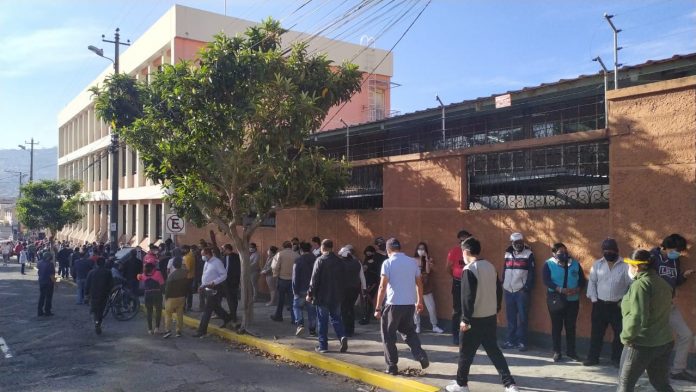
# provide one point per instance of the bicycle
(122, 303)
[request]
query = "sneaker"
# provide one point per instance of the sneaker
(321, 350)
(590, 362)
(417, 328)
(344, 344)
(199, 335)
(557, 357)
(512, 388)
(508, 345)
(167, 334)
(393, 370)
(454, 387)
(424, 362)
(178, 334)
(312, 332)
(522, 347)
(437, 329)
(683, 375)
(300, 330)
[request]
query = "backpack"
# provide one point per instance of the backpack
(150, 284)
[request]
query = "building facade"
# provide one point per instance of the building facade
(178, 35)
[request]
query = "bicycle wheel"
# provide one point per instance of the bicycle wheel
(125, 306)
(109, 303)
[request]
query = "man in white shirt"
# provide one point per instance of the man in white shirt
(606, 287)
(214, 275)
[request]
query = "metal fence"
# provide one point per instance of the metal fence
(364, 190)
(566, 176)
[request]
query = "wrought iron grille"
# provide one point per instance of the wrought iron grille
(364, 190)
(567, 176)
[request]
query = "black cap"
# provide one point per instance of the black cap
(610, 244)
(393, 243)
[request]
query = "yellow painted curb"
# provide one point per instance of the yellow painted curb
(368, 376)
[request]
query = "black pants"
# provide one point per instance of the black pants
(284, 297)
(232, 295)
(45, 298)
(637, 359)
(96, 306)
(348, 310)
(23, 268)
(153, 302)
(566, 317)
(399, 318)
(456, 308)
(605, 314)
(189, 295)
(212, 304)
(482, 333)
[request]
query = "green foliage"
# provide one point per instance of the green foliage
(50, 204)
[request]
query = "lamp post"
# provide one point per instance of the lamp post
(31, 156)
(605, 72)
(347, 139)
(113, 148)
(442, 106)
(616, 49)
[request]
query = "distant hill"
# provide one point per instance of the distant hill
(45, 168)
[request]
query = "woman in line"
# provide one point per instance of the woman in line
(564, 278)
(268, 273)
(152, 282)
(425, 263)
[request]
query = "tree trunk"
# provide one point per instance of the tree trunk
(241, 243)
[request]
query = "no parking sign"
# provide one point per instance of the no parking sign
(175, 224)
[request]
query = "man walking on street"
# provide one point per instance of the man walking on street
(234, 272)
(455, 264)
(518, 280)
(47, 278)
(608, 283)
(326, 292)
(481, 296)
(301, 275)
(212, 287)
(175, 293)
(82, 267)
(282, 266)
(401, 283)
(98, 288)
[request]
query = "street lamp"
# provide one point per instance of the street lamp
(113, 148)
(442, 106)
(605, 72)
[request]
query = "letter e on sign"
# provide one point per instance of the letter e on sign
(175, 224)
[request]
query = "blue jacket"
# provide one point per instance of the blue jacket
(82, 267)
(46, 272)
(554, 274)
(302, 273)
(669, 270)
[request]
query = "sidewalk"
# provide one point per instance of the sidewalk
(533, 370)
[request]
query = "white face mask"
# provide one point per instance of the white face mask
(205, 258)
(632, 274)
(421, 252)
(252, 250)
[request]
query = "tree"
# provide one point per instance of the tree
(226, 137)
(50, 204)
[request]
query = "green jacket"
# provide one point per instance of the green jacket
(645, 310)
(177, 284)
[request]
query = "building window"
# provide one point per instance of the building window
(123, 219)
(158, 221)
(364, 190)
(569, 176)
(106, 163)
(134, 162)
(123, 161)
(268, 222)
(134, 210)
(146, 220)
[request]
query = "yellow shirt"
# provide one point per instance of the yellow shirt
(190, 264)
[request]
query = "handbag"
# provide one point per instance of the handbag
(557, 301)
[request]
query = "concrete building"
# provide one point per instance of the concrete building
(178, 35)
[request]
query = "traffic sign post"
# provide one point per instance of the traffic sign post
(175, 225)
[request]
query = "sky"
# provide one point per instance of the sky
(456, 49)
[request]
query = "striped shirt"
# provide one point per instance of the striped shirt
(608, 284)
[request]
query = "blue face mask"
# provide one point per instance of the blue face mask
(673, 255)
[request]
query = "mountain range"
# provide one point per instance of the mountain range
(45, 168)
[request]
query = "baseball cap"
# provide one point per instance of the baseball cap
(393, 243)
(516, 237)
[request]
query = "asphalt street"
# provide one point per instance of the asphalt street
(62, 352)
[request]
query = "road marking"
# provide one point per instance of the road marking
(5, 348)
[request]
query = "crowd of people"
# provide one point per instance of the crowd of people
(318, 284)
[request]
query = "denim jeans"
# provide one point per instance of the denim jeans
(637, 359)
(516, 311)
(298, 304)
(324, 314)
(81, 291)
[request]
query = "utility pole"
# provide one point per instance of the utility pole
(31, 156)
(605, 72)
(113, 148)
(21, 176)
(347, 139)
(442, 106)
(616, 49)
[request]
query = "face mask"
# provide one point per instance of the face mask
(421, 252)
(205, 258)
(518, 247)
(611, 257)
(269, 253)
(252, 250)
(673, 255)
(632, 274)
(562, 257)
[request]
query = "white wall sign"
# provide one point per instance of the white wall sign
(175, 224)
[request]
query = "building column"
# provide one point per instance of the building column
(152, 231)
(129, 168)
(140, 222)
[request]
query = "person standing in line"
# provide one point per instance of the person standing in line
(6, 252)
(212, 286)
(47, 278)
(425, 263)
(353, 286)
(646, 335)
(282, 266)
(666, 260)
(255, 268)
(267, 273)
(233, 266)
(316, 246)
(63, 258)
(455, 264)
(301, 275)
(97, 289)
(564, 275)
(326, 293)
(372, 265)
(152, 285)
(401, 285)
(175, 292)
(518, 281)
(200, 265)
(82, 267)
(190, 267)
(23, 259)
(608, 283)
(481, 295)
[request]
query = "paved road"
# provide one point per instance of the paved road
(62, 353)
